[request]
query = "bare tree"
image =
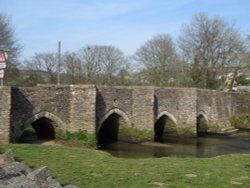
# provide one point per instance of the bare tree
(44, 62)
(101, 63)
(7, 40)
(209, 44)
(89, 57)
(73, 68)
(247, 55)
(10, 44)
(112, 61)
(159, 57)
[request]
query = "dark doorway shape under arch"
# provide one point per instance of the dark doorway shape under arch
(201, 125)
(40, 129)
(164, 127)
(108, 132)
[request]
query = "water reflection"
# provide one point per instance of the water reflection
(206, 146)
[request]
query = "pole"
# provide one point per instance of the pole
(1, 83)
(58, 63)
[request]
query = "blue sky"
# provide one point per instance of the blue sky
(126, 24)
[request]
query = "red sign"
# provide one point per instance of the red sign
(2, 57)
(1, 74)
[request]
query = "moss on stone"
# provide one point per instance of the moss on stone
(133, 134)
(186, 131)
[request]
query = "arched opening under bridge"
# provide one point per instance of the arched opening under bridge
(201, 125)
(165, 126)
(41, 127)
(108, 131)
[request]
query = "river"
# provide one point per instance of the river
(205, 146)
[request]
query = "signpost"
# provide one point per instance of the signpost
(2, 65)
(1, 76)
(1, 73)
(3, 58)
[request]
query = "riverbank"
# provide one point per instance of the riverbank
(92, 168)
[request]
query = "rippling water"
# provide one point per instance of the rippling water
(207, 146)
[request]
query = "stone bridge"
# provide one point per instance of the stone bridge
(102, 109)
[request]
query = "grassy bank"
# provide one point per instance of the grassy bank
(92, 168)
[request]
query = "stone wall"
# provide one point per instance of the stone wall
(179, 104)
(5, 102)
(111, 99)
(86, 107)
(219, 107)
(134, 104)
(30, 103)
(143, 108)
(215, 106)
(82, 109)
(240, 104)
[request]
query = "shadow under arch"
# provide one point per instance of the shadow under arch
(165, 125)
(43, 125)
(201, 124)
(108, 127)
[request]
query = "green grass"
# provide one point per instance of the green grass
(133, 133)
(80, 137)
(91, 168)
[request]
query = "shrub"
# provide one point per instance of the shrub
(240, 122)
(80, 137)
(136, 133)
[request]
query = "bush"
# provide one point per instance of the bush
(126, 132)
(80, 137)
(240, 122)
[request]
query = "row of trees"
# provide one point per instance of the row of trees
(208, 47)
(89, 65)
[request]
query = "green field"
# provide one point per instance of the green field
(91, 168)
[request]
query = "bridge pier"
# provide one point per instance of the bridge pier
(5, 111)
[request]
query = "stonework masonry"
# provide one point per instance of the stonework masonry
(179, 104)
(86, 107)
(143, 110)
(5, 108)
(82, 108)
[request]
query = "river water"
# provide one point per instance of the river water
(206, 146)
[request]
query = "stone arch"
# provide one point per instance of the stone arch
(108, 128)
(112, 111)
(167, 114)
(44, 123)
(201, 124)
(46, 114)
(165, 125)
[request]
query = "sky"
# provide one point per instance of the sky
(126, 24)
